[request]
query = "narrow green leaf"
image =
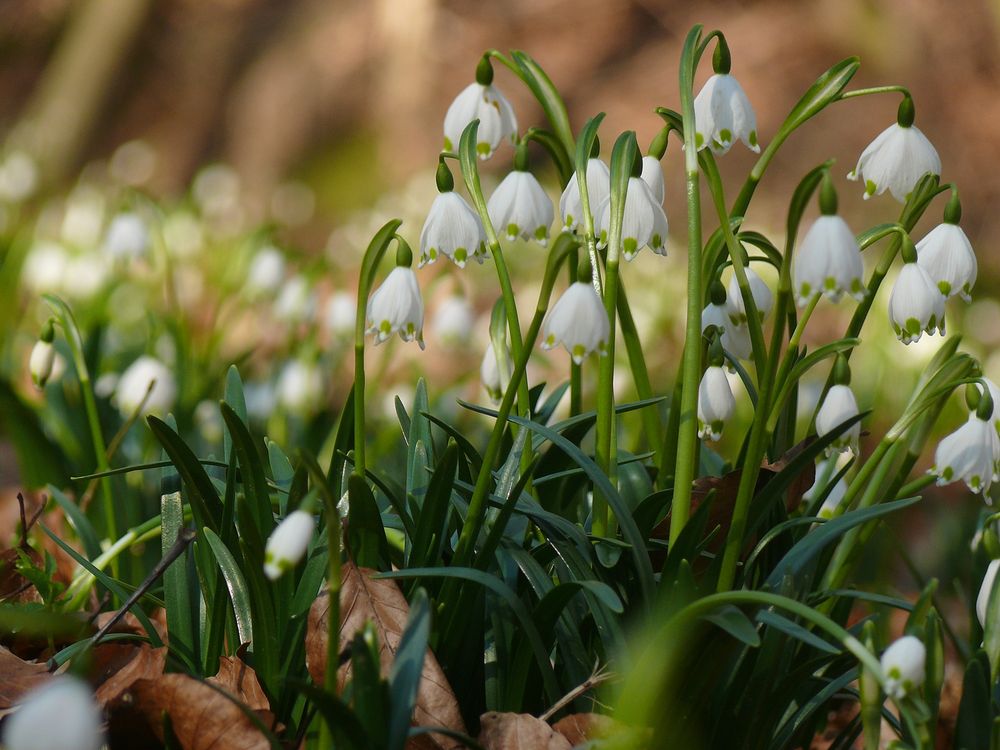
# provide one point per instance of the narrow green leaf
(975, 712)
(825, 90)
(427, 544)
(738, 625)
(205, 504)
(79, 521)
(237, 401)
(180, 608)
(255, 488)
(236, 584)
(780, 622)
(548, 96)
(407, 668)
(365, 533)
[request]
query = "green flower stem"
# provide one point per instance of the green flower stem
(478, 504)
(917, 485)
(470, 172)
(68, 322)
(651, 423)
(369, 266)
(874, 90)
(622, 157)
(575, 370)
(687, 440)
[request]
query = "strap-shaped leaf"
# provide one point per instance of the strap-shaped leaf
(205, 504)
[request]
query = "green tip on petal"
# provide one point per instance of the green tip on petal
(699, 140)
(542, 234)
(630, 246)
(513, 230)
(870, 187)
(484, 150)
(752, 138)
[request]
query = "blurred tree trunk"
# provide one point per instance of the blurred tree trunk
(68, 101)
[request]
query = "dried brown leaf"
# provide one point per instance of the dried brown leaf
(18, 677)
(239, 679)
(363, 598)
(580, 728)
(509, 731)
(118, 665)
(201, 717)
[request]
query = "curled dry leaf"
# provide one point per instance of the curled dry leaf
(17, 677)
(201, 717)
(118, 665)
(363, 598)
(129, 623)
(509, 731)
(238, 679)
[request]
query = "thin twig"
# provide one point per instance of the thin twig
(600, 675)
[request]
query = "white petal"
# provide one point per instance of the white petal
(947, 256)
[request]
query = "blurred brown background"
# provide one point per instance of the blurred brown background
(348, 95)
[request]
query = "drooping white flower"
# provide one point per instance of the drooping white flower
(895, 161)
(288, 543)
(839, 406)
(18, 177)
(644, 223)
(736, 341)
(969, 454)
(903, 666)
(452, 321)
(985, 589)
(715, 403)
(578, 321)
(761, 293)
(491, 108)
(300, 387)
(43, 356)
(127, 237)
(454, 229)
(829, 262)
(495, 374)
(947, 256)
(519, 207)
(723, 115)
(652, 175)
(341, 313)
(58, 715)
(146, 374)
(916, 304)
(397, 306)
(598, 190)
(267, 271)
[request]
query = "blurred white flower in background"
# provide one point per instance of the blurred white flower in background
(58, 715)
(452, 321)
(261, 400)
(267, 271)
(293, 203)
(341, 313)
(296, 302)
(18, 177)
(183, 234)
(146, 374)
(83, 218)
(300, 387)
(44, 268)
(133, 163)
(208, 418)
(127, 237)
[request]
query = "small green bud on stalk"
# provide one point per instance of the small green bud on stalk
(43, 356)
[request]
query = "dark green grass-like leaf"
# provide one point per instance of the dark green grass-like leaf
(236, 399)
(79, 521)
(181, 605)
(511, 599)
(365, 533)
(428, 542)
(975, 712)
(255, 487)
(732, 620)
(407, 668)
(239, 593)
(205, 504)
(793, 629)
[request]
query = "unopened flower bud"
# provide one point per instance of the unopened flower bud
(903, 665)
(288, 543)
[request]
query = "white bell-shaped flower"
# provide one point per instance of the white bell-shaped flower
(969, 454)
(452, 321)
(491, 108)
(397, 307)
(578, 321)
(736, 341)
(947, 256)
(762, 297)
(916, 304)
(835, 496)
(41, 361)
(903, 666)
(896, 160)
(723, 115)
(829, 262)
(266, 272)
(985, 589)
(495, 373)
(58, 715)
(715, 315)
(716, 403)
(644, 223)
(652, 175)
(454, 229)
(288, 543)
(127, 237)
(146, 375)
(519, 207)
(598, 190)
(839, 406)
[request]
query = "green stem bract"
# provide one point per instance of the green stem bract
(369, 266)
(75, 341)
(478, 504)
(470, 172)
(622, 157)
(687, 438)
